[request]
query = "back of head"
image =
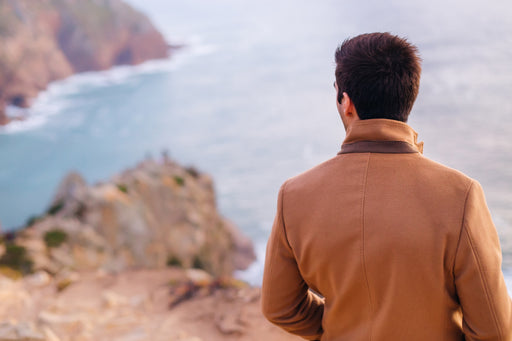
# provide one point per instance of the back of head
(380, 73)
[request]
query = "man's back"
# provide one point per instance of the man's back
(398, 245)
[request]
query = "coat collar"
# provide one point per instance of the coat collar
(381, 136)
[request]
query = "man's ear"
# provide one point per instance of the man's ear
(348, 108)
(346, 103)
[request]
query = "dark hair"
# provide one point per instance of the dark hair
(380, 73)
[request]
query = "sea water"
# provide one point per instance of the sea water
(250, 100)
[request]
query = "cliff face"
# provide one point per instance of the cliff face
(45, 40)
(155, 215)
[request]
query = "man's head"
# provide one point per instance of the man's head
(380, 73)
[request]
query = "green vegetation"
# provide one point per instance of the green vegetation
(193, 171)
(10, 273)
(80, 211)
(179, 180)
(174, 261)
(16, 258)
(63, 284)
(55, 208)
(55, 238)
(173, 282)
(197, 263)
(122, 187)
(33, 219)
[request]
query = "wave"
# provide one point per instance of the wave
(55, 99)
(508, 280)
(254, 273)
(47, 104)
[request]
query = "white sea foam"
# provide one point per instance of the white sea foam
(54, 100)
(508, 280)
(254, 274)
(46, 105)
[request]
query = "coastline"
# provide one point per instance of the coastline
(49, 103)
(49, 41)
(46, 103)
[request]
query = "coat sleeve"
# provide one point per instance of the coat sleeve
(486, 305)
(286, 298)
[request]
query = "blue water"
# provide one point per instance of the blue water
(251, 102)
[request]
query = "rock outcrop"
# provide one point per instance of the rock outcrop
(46, 40)
(143, 256)
(132, 305)
(155, 215)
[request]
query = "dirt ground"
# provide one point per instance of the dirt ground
(133, 305)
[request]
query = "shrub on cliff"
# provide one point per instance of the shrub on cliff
(55, 208)
(55, 238)
(122, 187)
(179, 180)
(16, 258)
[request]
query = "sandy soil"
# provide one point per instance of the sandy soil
(134, 305)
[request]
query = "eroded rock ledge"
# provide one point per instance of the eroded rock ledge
(154, 215)
(142, 256)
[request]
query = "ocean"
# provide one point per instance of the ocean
(250, 101)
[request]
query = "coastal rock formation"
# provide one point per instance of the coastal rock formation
(46, 40)
(154, 215)
(142, 256)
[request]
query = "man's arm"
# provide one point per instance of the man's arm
(286, 299)
(486, 305)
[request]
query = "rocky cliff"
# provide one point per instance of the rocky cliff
(154, 215)
(142, 256)
(46, 40)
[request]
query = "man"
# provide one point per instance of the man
(379, 242)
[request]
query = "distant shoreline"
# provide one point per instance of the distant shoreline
(51, 41)
(10, 118)
(23, 114)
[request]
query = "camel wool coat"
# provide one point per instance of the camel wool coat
(398, 247)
